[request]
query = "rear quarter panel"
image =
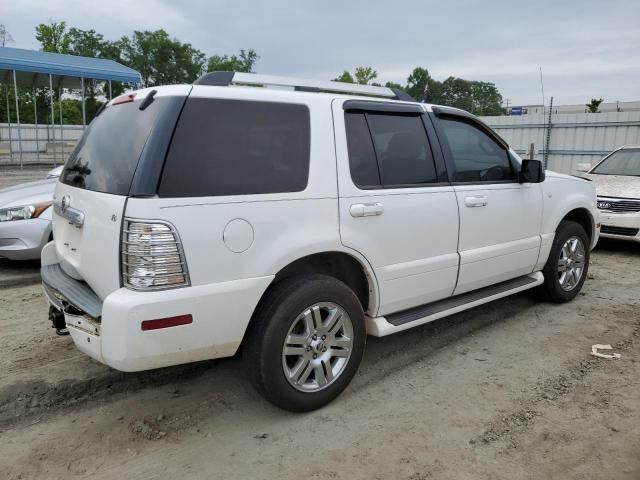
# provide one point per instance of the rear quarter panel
(285, 226)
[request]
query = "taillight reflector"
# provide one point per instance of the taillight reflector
(167, 322)
(126, 98)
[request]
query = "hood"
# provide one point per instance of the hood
(616, 185)
(28, 193)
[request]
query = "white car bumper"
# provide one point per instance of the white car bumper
(220, 313)
(623, 226)
(24, 239)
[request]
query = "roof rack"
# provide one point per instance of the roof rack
(225, 79)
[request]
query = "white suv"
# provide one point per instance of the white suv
(290, 219)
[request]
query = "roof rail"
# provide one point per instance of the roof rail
(224, 79)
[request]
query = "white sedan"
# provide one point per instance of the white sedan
(617, 182)
(25, 218)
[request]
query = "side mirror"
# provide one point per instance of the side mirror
(583, 167)
(532, 171)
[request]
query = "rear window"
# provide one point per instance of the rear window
(237, 147)
(107, 155)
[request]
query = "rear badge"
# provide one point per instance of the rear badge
(113, 217)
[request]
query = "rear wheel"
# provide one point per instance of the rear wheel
(568, 263)
(306, 342)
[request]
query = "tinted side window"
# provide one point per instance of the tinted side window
(388, 150)
(477, 157)
(362, 156)
(235, 147)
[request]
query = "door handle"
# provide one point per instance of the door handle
(476, 201)
(366, 209)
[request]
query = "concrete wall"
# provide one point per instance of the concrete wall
(574, 138)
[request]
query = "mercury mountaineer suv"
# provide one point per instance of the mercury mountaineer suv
(288, 219)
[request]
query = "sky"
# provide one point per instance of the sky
(586, 49)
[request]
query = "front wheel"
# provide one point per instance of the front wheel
(566, 269)
(306, 342)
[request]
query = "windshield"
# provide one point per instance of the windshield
(622, 162)
(107, 155)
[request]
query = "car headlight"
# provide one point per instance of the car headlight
(23, 213)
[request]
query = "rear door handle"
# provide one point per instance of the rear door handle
(366, 209)
(476, 201)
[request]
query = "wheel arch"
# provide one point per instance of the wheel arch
(348, 267)
(583, 217)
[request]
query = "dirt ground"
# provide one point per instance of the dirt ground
(504, 391)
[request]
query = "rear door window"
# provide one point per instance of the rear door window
(107, 155)
(237, 147)
(388, 150)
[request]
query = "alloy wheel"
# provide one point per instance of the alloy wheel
(317, 347)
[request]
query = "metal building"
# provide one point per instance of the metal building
(564, 140)
(30, 69)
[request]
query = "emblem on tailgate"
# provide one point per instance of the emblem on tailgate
(64, 209)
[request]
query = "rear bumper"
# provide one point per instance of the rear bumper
(221, 313)
(622, 226)
(24, 239)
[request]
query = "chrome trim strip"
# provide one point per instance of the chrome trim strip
(75, 216)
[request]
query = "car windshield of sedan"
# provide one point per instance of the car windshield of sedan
(622, 162)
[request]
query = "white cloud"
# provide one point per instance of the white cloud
(584, 47)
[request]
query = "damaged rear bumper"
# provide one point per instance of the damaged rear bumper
(80, 306)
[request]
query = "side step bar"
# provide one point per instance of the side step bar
(397, 322)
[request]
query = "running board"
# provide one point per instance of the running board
(396, 322)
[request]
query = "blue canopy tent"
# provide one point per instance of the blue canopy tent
(31, 68)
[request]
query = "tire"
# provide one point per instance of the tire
(556, 287)
(312, 371)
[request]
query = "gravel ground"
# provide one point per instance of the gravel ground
(507, 390)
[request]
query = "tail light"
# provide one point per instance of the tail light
(152, 256)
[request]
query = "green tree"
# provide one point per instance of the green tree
(89, 43)
(161, 59)
(393, 85)
(594, 105)
(361, 75)
(486, 98)
(419, 83)
(344, 77)
(53, 37)
(364, 75)
(243, 62)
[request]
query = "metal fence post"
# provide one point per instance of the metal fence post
(84, 114)
(61, 127)
(53, 122)
(6, 91)
(15, 91)
(35, 118)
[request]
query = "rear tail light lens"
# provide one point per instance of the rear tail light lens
(152, 256)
